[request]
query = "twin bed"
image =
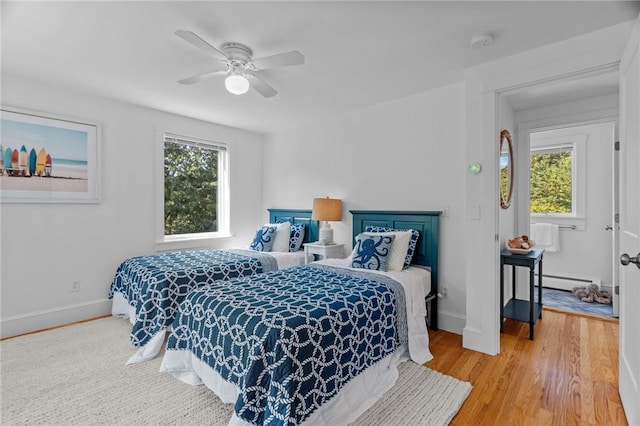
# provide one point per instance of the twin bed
(314, 344)
(149, 289)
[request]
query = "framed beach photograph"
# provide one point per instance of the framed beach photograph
(48, 159)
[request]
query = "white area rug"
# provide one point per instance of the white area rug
(76, 375)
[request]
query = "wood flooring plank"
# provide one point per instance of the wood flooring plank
(568, 375)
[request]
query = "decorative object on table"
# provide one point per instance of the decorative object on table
(48, 159)
(506, 169)
(520, 245)
(591, 293)
(326, 210)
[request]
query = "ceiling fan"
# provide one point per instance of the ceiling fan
(238, 65)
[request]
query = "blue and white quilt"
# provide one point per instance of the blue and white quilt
(156, 285)
(291, 339)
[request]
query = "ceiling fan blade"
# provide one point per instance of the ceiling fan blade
(280, 60)
(196, 41)
(260, 86)
(200, 77)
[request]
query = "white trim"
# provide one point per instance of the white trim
(451, 322)
(474, 338)
(197, 240)
(39, 320)
(577, 144)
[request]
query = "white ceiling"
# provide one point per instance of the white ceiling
(357, 53)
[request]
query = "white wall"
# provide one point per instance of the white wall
(402, 155)
(45, 247)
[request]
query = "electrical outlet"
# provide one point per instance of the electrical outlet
(443, 291)
(75, 286)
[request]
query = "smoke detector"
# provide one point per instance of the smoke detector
(481, 40)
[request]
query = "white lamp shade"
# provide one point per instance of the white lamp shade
(237, 84)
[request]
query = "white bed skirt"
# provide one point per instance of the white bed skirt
(121, 308)
(358, 395)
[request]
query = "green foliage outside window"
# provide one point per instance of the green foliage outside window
(190, 189)
(551, 182)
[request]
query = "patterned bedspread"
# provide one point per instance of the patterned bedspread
(155, 285)
(290, 339)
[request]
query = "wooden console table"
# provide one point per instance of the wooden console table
(517, 309)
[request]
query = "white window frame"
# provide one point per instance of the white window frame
(577, 144)
(202, 239)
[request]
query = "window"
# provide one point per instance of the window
(552, 181)
(195, 188)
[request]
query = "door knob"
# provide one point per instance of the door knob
(608, 228)
(625, 259)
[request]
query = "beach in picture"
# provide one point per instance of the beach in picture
(41, 158)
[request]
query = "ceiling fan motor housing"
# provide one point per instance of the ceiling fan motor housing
(237, 52)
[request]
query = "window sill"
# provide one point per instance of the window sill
(189, 242)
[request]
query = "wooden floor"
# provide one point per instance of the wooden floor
(568, 375)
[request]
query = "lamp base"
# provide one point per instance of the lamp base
(325, 235)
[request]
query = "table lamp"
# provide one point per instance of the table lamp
(326, 209)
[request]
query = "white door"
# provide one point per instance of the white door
(630, 228)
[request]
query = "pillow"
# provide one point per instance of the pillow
(297, 236)
(398, 249)
(264, 238)
(281, 242)
(372, 251)
(412, 243)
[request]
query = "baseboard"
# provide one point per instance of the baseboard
(46, 319)
(451, 322)
(475, 339)
(567, 283)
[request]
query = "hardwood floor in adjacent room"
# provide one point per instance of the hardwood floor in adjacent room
(568, 375)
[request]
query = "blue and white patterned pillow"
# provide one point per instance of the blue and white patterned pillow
(264, 238)
(297, 236)
(412, 243)
(372, 251)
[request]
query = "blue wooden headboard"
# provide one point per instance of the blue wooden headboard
(297, 216)
(426, 254)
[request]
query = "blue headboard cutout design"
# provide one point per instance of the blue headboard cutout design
(426, 254)
(297, 216)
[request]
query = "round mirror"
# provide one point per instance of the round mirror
(506, 169)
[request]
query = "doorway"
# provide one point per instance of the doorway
(577, 124)
(571, 211)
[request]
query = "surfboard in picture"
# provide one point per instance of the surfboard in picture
(14, 159)
(23, 161)
(7, 158)
(32, 162)
(41, 160)
(48, 166)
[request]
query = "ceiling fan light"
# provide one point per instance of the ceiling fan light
(237, 84)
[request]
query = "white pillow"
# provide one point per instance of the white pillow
(399, 248)
(283, 232)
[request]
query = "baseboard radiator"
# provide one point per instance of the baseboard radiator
(567, 283)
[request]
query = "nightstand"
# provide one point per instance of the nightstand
(521, 310)
(327, 251)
